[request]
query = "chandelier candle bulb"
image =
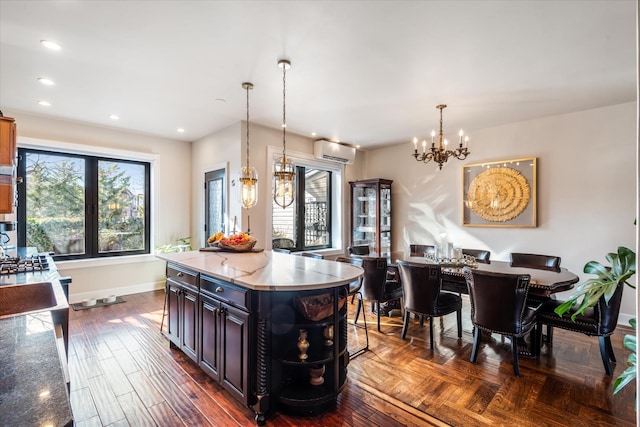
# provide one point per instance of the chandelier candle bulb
(424, 146)
(460, 134)
(415, 144)
(466, 141)
(433, 135)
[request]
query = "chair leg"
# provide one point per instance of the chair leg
(431, 331)
(605, 355)
(459, 319)
(164, 308)
(612, 356)
(405, 324)
(366, 331)
(549, 334)
(514, 354)
(378, 314)
(359, 307)
(476, 344)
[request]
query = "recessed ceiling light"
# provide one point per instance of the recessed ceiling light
(357, 145)
(50, 45)
(180, 130)
(222, 100)
(313, 134)
(46, 81)
(114, 117)
(44, 103)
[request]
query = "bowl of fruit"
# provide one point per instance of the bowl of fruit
(237, 242)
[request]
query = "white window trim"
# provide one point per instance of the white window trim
(337, 201)
(74, 148)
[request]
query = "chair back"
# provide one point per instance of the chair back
(421, 286)
(359, 250)
(282, 250)
(498, 300)
(480, 255)
(419, 250)
(282, 243)
(374, 278)
(607, 314)
(312, 255)
(540, 262)
(356, 285)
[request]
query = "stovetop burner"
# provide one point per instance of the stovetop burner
(14, 265)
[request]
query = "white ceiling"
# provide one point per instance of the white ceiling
(363, 72)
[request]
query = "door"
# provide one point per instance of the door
(209, 336)
(214, 202)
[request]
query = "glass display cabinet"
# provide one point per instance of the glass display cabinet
(371, 215)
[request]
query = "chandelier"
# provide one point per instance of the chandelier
(248, 174)
(284, 171)
(441, 154)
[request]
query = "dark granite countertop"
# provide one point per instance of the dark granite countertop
(32, 384)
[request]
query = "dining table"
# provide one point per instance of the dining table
(544, 283)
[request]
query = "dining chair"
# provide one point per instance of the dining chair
(540, 262)
(498, 305)
(358, 250)
(599, 321)
(354, 290)
(376, 287)
(282, 250)
(422, 296)
(282, 243)
(420, 250)
(312, 255)
(480, 255)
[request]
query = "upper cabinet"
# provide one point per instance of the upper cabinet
(8, 154)
(371, 215)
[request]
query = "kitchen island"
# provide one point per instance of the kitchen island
(270, 327)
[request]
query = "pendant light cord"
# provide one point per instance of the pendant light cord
(247, 127)
(284, 111)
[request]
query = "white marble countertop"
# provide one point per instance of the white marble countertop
(267, 271)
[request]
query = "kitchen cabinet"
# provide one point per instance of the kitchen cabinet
(224, 334)
(8, 152)
(371, 215)
(248, 328)
(182, 305)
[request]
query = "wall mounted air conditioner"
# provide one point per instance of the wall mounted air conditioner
(333, 151)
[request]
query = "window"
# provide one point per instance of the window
(82, 206)
(309, 223)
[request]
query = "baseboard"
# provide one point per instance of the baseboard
(623, 319)
(125, 290)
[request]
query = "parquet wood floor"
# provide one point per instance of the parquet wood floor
(123, 373)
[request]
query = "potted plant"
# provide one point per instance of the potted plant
(622, 268)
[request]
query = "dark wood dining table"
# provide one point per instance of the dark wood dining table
(544, 283)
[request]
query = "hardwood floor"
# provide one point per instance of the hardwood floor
(123, 373)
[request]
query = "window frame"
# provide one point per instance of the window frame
(337, 202)
(99, 154)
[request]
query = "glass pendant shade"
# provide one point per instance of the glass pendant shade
(284, 182)
(248, 187)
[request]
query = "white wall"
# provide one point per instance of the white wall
(171, 207)
(229, 145)
(587, 191)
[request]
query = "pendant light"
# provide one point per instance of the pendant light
(284, 171)
(248, 174)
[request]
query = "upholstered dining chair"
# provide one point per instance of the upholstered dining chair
(480, 255)
(498, 305)
(376, 287)
(599, 321)
(354, 290)
(421, 287)
(282, 243)
(537, 261)
(419, 250)
(358, 250)
(312, 255)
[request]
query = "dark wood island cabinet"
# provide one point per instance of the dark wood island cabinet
(273, 338)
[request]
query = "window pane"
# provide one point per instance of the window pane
(55, 203)
(284, 225)
(316, 195)
(121, 202)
